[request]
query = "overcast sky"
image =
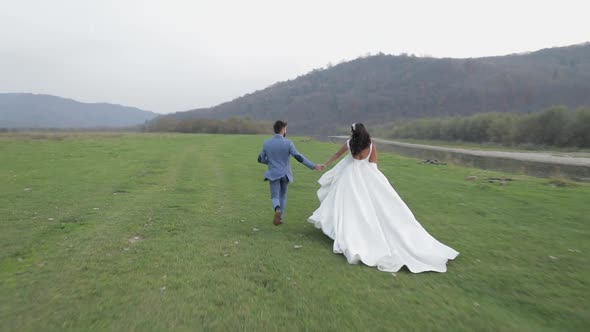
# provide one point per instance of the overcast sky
(176, 55)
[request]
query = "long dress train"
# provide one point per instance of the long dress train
(370, 223)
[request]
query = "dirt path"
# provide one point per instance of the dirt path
(541, 157)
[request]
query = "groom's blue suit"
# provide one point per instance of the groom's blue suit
(276, 152)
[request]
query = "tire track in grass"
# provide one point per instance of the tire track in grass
(98, 249)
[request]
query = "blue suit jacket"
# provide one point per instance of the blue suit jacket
(275, 153)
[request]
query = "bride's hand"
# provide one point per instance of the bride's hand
(320, 167)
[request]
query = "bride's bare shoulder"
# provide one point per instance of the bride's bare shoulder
(373, 156)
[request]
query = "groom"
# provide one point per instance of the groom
(275, 153)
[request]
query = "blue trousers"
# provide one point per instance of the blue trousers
(278, 193)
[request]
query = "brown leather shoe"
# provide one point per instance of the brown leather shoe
(277, 219)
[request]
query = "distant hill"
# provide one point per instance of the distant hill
(25, 110)
(383, 88)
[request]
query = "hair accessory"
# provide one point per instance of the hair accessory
(353, 126)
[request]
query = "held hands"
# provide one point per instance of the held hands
(319, 167)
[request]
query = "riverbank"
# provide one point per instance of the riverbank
(540, 164)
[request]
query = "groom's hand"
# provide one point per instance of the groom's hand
(319, 167)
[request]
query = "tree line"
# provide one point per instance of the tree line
(556, 126)
(211, 126)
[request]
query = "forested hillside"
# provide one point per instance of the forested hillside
(383, 88)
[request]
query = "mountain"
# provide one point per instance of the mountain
(25, 110)
(383, 88)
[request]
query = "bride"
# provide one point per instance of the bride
(367, 219)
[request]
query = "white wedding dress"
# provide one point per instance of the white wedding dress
(370, 223)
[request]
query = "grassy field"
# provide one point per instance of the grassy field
(173, 232)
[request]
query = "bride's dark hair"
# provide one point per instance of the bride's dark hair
(359, 139)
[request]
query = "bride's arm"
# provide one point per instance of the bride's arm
(373, 156)
(337, 154)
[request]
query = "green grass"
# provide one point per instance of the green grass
(70, 203)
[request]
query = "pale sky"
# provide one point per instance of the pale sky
(175, 55)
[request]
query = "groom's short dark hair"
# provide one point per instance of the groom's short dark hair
(278, 126)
